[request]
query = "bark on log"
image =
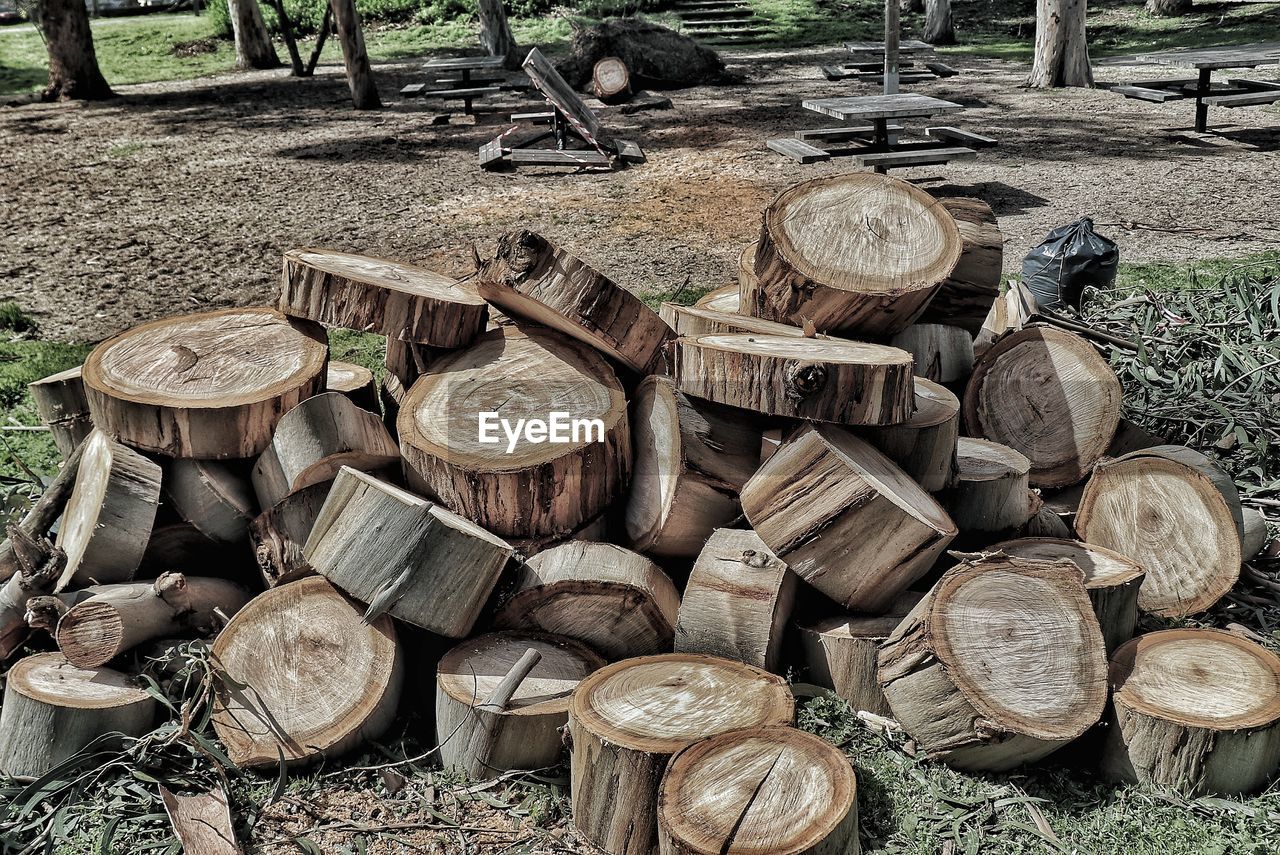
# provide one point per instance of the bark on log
(829, 380)
(210, 385)
(720, 300)
(53, 710)
(1176, 514)
(1048, 394)
(747, 282)
(1011, 312)
(530, 277)
(628, 718)
(116, 618)
(213, 496)
(202, 822)
(696, 320)
(280, 533)
(406, 361)
(40, 565)
(304, 640)
(610, 80)
(737, 602)
(924, 445)
(403, 555)
(967, 295)
(943, 354)
(108, 519)
(400, 301)
(762, 789)
(1194, 710)
(1254, 534)
(354, 381)
(992, 491)
(618, 602)
(317, 438)
(518, 376)
(856, 253)
(61, 404)
(691, 459)
(845, 519)
(45, 512)
(484, 732)
(346, 23)
(1001, 663)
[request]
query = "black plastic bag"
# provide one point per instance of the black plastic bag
(1070, 259)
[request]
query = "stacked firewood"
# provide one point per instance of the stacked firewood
(615, 529)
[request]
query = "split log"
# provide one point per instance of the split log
(1194, 710)
(518, 489)
(966, 296)
(530, 277)
(628, 718)
(697, 320)
(403, 555)
(279, 534)
(215, 497)
(354, 381)
(391, 394)
(845, 519)
(1011, 311)
(389, 298)
(762, 789)
(54, 710)
(116, 618)
(317, 438)
(40, 566)
(1111, 579)
(1001, 663)
(854, 253)
(747, 282)
(992, 492)
(610, 80)
(306, 640)
(1045, 523)
(1174, 513)
(202, 822)
(840, 652)
(108, 519)
(406, 361)
(210, 385)
(45, 512)
(830, 380)
(1254, 533)
(618, 602)
(61, 404)
(925, 444)
(943, 354)
(1048, 394)
(737, 602)
(487, 721)
(720, 300)
(691, 459)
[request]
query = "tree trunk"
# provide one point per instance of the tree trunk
(1168, 7)
(493, 715)
(627, 719)
(215, 497)
(364, 91)
(938, 29)
(73, 65)
(943, 354)
(618, 602)
(845, 518)
(495, 32)
(992, 492)
(279, 534)
(62, 405)
(610, 80)
(965, 297)
(924, 445)
(987, 688)
(765, 789)
(1062, 49)
(253, 43)
(296, 68)
(398, 553)
(354, 381)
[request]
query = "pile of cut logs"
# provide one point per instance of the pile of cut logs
(615, 529)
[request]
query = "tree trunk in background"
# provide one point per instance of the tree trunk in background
(364, 92)
(73, 65)
(1168, 8)
(495, 32)
(911, 6)
(938, 29)
(253, 44)
(1062, 50)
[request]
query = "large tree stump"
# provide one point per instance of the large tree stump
(1177, 515)
(211, 385)
(530, 277)
(737, 602)
(1111, 579)
(762, 789)
(1194, 710)
(1048, 394)
(108, 519)
(354, 381)
(720, 300)
(304, 640)
(699, 320)
(53, 710)
(992, 491)
(61, 404)
(943, 354)
(628, 718)
(389, 298)
(855, 253)
(317, 438)
(829, 380)
(620, 603)
(966, 296)
(845, 518)
(1001, 663)
(280, 533)
(925, 444)
(610, 80)
(532, 487)
(404, 555)
(215, 497)
(691, 459)
(483, 735)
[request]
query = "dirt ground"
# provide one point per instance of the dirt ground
(180, 196)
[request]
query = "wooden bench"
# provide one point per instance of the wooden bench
(919, 157)
(956, 135)
(1144, 93)
(413, 90)
(1246, 99)
(1255, 84)
(843, 133)
(798, 150)
(553, 157)
(940, 69)
(539, 118)
(466, 96)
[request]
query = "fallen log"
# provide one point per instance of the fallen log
(61, 404)
(699, 320)
(610, 80)
(924, 445)
(720, 300)
(747, 282)
(278, 535)
(215, 497)
(40, 566)
(354, 381)
(992, 491)
(967, 294)
(943, 354)
(202, 822)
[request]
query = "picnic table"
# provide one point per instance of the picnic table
(464, 87)
(1237, 92)
(868, 63)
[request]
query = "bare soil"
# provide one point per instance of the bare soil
(182, 196)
